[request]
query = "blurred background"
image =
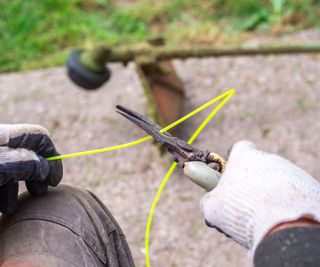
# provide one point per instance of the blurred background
(37, 34)
(276, 104)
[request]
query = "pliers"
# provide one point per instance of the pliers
(196, 164)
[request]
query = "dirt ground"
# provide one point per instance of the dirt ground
(276, 105)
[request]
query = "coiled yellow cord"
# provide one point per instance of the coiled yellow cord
(224, 97)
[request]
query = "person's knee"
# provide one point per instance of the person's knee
(61, 199)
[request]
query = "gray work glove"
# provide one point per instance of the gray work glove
(23, 152)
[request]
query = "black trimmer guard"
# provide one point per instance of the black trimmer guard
(82, 76)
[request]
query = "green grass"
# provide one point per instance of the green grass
(37, 33)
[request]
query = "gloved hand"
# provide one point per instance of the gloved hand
(23, 149)
(258, 191)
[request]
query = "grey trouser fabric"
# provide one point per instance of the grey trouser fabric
(65, 227)
(291, 247)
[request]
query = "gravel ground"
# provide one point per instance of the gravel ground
(276, 106)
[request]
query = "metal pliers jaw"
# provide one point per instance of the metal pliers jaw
(188, 157)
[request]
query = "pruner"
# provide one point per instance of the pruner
(202, 167)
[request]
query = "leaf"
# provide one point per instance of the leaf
(253, 21)
(278, 6)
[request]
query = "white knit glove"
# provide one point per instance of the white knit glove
(258, 191)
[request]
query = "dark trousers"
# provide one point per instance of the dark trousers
(65, 227)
